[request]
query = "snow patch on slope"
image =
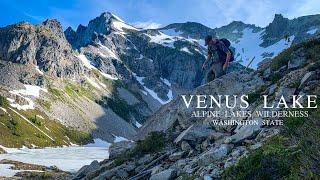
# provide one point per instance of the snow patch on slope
(30, 90)
(107, 51)
(89, 65)
(93, 83)
(248, 46)
(86, 62)
(151, 92)
(172, 32)
(121, 26)
(163, 39)
(138, 125)
(185, 49)
(312, 31)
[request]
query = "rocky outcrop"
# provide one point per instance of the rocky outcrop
(42, 45)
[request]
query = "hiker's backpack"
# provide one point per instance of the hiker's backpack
(227, 43)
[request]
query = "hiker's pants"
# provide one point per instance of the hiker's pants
(216, 71)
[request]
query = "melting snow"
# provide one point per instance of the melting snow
(119, 25)
(66, 158)
(119, 139)
(172, 32)
(235, 31)
(163, 39)
(108, 76)
(151, 92)
(138, 125)
(38, 70)
(185, 49)
(29, 91)
(140, 57)
(98, 143)
(249, 47)
(86, 62)
(109, 52)
(93, 83)
(312, 31)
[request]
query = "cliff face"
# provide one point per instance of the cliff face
(41, 45)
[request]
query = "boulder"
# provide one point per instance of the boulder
(245, 132)
(214, 154)
(87, 169)
(118, 148)
(195, 134)
(272, 89)
(267, 73)
(2, 151)
(297, 60)
(185, 146)
(307, 77)
(167, 174)
(176, 156)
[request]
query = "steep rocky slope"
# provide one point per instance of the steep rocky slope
(44, 79)
(190, 147)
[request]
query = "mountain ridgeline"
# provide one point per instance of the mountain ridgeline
(108, 78)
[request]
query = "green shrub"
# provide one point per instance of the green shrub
(155, 142)
(272, 161)
(275, 78)
(3, 102)
(36, 121)
(79, 137)
(292, 154)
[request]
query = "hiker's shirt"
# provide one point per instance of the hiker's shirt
(221, 50)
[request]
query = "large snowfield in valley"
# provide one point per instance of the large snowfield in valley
(69, 159)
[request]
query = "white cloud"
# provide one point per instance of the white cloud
(146, 25)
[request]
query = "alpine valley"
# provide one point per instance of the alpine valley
(111, 82)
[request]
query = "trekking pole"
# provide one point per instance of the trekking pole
(250, 63)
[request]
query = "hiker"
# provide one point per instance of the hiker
(225, 56)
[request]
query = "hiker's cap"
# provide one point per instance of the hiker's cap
(207, 39)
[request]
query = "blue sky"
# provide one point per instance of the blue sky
(213, 13)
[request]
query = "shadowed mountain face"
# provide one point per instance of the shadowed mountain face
(108, 77)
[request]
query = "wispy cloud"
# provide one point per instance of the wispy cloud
(34, 17)
(147, 25)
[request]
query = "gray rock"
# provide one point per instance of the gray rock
(167, 174)
(214, 154)
(2, 151)
(307, 77)
(217, 136)
(185, 146)
(297, 60)
(195, 134)
(119, 148)
(121, 173)
(127, 96)
(87, 169)
(246, 131)
(145, 159)
(272, 89)
(267, 73)
(176, 156)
